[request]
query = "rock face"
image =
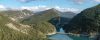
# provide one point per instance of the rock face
(17, 15)
(10, 30)
(86, 22)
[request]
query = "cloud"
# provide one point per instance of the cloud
(97, 0)
(79, 1)
(2, 7)
(66, 9)
(25, 1)
(35, 8)
(83, 1)
(39, 8)
(42, 8)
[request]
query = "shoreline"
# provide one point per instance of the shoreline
(51, 33)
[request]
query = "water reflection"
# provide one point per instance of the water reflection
(67, 37)
(60, 36)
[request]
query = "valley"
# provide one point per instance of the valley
(50, 24)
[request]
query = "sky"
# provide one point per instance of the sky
(61, 5)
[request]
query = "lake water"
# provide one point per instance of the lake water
(67, 37)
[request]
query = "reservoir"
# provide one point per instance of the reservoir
(59, 36)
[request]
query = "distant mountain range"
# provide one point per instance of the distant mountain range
(49, 16)
(40, 21)
(27, 25)
(68, 14)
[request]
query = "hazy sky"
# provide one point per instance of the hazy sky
(63, 5)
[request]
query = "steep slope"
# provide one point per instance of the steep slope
(41, 21)
(62, 19)
(10, 30)
(86, 22)
(67, 14)
(58, 22)
(17, 15)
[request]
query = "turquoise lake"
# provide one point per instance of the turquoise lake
(67, 37)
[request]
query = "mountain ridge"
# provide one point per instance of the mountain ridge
(86, 22)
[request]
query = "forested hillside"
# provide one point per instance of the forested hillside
(86, 22)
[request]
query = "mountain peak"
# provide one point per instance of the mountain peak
(53, 10)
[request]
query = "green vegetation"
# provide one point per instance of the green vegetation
(7, 33)
(35, 27)
(87, 21)
(31, 27)
(41, 21)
